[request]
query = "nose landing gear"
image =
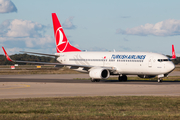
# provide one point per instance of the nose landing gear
(159, 80)
(160, 77)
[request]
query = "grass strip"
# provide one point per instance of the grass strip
(31, 70)
(119, 107)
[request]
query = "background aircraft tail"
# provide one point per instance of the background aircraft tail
(173, 53)
(62, 43)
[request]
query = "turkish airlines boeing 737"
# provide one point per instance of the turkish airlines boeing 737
(100, 65)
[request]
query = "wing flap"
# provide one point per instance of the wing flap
(40, 53)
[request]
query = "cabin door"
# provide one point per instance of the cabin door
(150, 62)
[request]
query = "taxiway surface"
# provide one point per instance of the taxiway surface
(27, 86)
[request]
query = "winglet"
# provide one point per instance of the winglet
(8, 58)
(173, 53)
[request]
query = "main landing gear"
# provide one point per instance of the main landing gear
(95, 80)
(122, 78)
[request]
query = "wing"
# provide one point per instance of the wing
(40, 53)
(85, 67)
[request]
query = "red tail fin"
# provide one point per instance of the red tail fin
(173, 53)
(62, 43)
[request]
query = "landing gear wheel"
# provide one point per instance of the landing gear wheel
(122, 78)
(98, 80)
(159, 80)
(95, 80)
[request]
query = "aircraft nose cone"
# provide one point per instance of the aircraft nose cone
(171, 67)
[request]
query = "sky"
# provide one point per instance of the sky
(96, 25)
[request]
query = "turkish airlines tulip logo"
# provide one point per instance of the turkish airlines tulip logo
(61, 40)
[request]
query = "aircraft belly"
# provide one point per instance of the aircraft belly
(131, 69)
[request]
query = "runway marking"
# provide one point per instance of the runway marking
(23, 86)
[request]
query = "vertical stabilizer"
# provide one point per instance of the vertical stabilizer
(62, 43)
(173, 53)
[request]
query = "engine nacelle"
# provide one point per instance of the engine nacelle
(146, 76)
(99, 73)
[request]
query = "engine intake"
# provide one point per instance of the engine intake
(99, 73)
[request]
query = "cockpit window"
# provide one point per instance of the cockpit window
(161, 60)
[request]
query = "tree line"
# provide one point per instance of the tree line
(27, 57)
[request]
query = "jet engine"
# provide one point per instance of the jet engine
(99, 73)
(146, 76)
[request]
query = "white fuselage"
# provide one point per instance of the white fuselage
(127, 63)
